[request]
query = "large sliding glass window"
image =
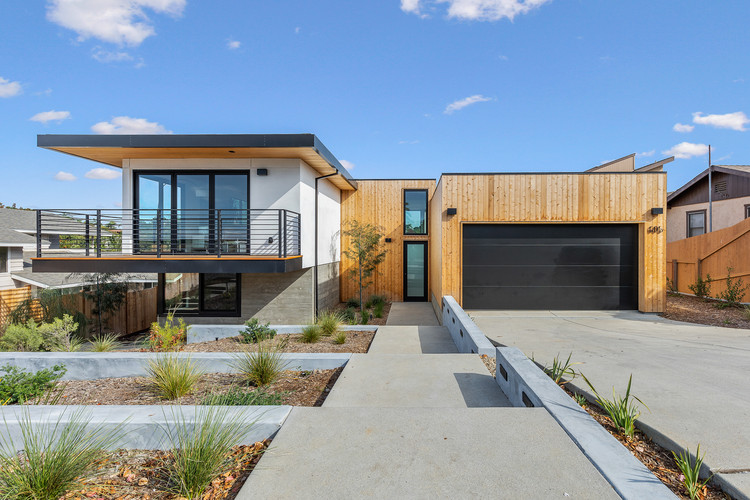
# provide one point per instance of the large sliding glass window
(196, 294)
(415, 211)
(190, 205)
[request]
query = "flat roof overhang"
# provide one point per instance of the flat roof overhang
(113, 149)
(166, 264)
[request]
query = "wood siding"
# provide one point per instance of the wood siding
(511, 198)
(381, 202)
(729, 186)
(711, 253)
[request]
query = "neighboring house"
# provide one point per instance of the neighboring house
(12, 244)
(241, 226)
(688, 211)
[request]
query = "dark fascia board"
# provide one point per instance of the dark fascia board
(724, 169)
(165, 265)
(593, 169)
(196, 141)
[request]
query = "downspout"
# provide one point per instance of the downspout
(315, 268)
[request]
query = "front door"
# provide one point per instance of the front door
(415, 271)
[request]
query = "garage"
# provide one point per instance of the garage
(550, 266)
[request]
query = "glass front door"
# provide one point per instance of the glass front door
(415, 271)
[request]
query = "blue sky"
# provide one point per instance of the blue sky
(398, 88)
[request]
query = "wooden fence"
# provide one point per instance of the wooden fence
(137, 312)
(711, 254)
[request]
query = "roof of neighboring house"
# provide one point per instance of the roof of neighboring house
(741, 170)
(18, 219)
(113, 149)
(12, 238)
(63, 280)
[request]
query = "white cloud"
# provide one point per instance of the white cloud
(64, 176)
(477, 10)
(125, 125)
(647, 153)
(462, 103)
(123, 22)
(348, 165)
(8, 88)
(234, 44)
(409, 142)
(734, 121)
(685, 150)
(682, 127)
(106, 56)
(502, 57)
(50, 116)
(297, 30)
(103, 173)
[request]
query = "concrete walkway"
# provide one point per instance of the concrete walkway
(694, 378)
(414, 419)
(412, 314)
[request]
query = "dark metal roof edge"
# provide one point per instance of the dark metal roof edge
(333, 161)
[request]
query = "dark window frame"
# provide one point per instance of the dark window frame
(687, 222)
(747, 211)
(424, 244)
(426, 211)
(203, 313)
(4, 259)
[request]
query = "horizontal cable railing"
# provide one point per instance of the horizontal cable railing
(157, 232)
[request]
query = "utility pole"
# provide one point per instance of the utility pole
(710, 194)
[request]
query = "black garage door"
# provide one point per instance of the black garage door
(550, 266)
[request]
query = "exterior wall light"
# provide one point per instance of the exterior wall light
(452, 211)
(657, 211)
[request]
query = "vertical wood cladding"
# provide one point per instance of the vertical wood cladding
(381, 202)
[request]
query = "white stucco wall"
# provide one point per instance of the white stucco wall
(329, 218)
(725, 213)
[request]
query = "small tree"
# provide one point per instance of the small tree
(108, 291)
(365, 251)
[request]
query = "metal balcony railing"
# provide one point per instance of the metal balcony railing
(165, 232)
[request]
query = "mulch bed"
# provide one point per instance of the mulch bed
(658, 460)
(356, 342)
(308, 388)
(372, 321)
(141, 474)
(704, 311)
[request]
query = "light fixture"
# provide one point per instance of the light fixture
(452, 211)
(231, 151)
(657, 211)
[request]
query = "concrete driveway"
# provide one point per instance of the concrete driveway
(694, 378)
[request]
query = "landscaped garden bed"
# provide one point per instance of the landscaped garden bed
(356, 342)
(705, 312)
(294, 388)
(141, 474)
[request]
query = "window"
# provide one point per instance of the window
(4, 260)
(415, 211)
(747, 211)
(193, 294)
(696, 223)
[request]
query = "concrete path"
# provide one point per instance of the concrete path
(694, 378)
(412, 340)
(412, 314)
(423, 453)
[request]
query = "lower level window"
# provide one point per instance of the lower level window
(201, 294)
(747, 211)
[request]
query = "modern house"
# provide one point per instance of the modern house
(238, 226)
(688, 212)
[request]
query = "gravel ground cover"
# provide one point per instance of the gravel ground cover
(356, 342)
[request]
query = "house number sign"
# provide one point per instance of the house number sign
(655, 229)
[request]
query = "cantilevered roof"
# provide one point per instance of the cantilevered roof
(741, 170)
(113, 149)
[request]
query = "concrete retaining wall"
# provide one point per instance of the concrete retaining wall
(96, 365)
(207, 333)
(143, 427)
(465, 333)
(526, 385)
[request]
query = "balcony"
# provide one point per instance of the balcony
(169, 240)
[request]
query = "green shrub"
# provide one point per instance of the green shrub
(171, 376)
(581, 400)
(201, 447)
(105, 343)
(18, 386)
(255, 332)
(330, 323)
(350, 316)
(377, 309)
(691, 471)
(311, 334)
(261, 368)
(58, 335)
(340, 337)
(353, 303)
(168, 336)
(701, 288)
(24, 338)
(54, 455)
(623, 412)
(364, 317)
(377, 299)
(560, 369)
(671, 288)
(734, 293)
(237, 397)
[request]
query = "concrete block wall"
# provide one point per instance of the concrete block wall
(465, 333)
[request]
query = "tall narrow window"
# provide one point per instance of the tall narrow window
(3, 260)
(696, 223)
(747, 211)
(415, 211)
